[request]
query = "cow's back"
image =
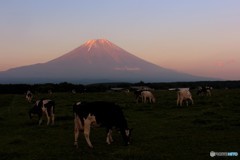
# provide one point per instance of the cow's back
(106, 113)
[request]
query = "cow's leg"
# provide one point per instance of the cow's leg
(52, 115)
(144, 99)
(87, 127)
(181, 100)
(53, 119)
(147, 99)
(191, 101)
(178, 101)
(44, 110)
(48, 118)
(40, 118)
(150, 99)
(209, 93)
(109, 138)
(77, 128)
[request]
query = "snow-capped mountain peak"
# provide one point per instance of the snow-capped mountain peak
(98, 43)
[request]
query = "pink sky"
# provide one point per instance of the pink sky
(201, 38)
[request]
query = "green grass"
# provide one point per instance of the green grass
(160, 131)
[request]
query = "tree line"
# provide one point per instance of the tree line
(101, 87)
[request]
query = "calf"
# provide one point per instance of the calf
(184, 95)
(105, 114)
(43, 106)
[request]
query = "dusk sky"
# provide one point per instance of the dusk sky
(200, 37)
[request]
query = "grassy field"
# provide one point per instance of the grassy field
(160, 131)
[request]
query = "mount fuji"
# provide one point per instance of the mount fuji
(93, 62)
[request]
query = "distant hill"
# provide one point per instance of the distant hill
(95, 61)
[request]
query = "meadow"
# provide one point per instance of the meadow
(161, 131)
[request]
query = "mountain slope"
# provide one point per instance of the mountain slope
(95, 61)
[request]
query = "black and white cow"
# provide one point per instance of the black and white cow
(100, 113)
(205, 90)
(43, 106)
(29, 96)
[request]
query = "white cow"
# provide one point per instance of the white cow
(184, 95)
(147, 95)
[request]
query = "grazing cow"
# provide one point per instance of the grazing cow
(204, 91)
(100, 113)
(29, 96)
(43, 106)
(147, 95)
(184, 95)
(144, 96)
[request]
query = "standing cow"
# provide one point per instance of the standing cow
(43, 106)
(184, 95)
(105, 114)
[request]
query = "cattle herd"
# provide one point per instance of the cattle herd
(103, 113)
